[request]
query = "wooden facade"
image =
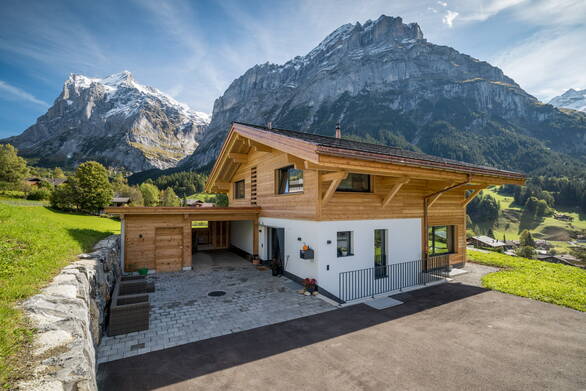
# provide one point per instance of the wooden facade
(399, 188)
(161, 238)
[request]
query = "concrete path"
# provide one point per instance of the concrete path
(447, 337)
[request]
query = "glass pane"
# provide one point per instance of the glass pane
(380, 253)
(344, 246)
(295, 180)
(439, 240)
(355, 182)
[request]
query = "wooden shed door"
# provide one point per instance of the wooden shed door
(168, 249)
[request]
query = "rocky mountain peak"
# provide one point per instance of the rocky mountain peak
(571, 99)
(115, 120)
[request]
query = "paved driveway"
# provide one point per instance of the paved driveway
(448, 337)
(183, 312)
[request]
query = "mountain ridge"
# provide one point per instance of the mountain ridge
(386, 83)
(114, 120)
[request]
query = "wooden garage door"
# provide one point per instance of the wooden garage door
(168, 249)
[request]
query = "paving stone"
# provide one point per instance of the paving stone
(182, 311)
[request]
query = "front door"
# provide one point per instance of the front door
(277, 247)
(380, 253)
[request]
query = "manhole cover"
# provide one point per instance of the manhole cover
(217, 293)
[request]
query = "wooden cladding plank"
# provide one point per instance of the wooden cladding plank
(168, 248)
(393, 192)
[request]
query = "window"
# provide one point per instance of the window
(355, 183)
(289, 180)
(239, 190)
(344, 244)
(441, 239)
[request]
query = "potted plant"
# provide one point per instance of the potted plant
(309, 285)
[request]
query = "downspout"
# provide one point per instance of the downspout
(122, 242)
(426, 217)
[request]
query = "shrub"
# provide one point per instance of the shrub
(526, 252)
(40, 194)
(13, 193)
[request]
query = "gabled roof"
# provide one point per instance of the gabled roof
(332, 144)
(314, 149)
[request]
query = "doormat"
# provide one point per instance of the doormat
(382, 303)
(262, 268)
(217, 293)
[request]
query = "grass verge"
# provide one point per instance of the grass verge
(35, 243)
(539, 280)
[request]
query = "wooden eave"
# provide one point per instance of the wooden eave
(327, 158)
(201, 211)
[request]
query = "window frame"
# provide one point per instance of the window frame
(350, 240)
(356, 191)
(280, 173)
(236, 193)
(450, 240)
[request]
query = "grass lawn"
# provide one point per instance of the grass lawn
(35, 243)
(539, 280)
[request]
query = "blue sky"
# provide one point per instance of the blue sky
(192, 50)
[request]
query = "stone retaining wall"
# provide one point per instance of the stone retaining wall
(69, 316)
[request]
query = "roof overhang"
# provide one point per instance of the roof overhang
(242, 138)
(203, 213)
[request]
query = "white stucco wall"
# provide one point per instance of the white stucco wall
(241, 235)
(403, 244)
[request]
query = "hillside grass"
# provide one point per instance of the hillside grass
(549, 282)
(507, 224)
(35, 243)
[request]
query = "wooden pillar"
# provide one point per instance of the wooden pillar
(255, 228)
(186, 243)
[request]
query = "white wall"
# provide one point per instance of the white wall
(403, 244)
(241, 235)
(294, 229)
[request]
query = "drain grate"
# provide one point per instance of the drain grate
(217, 293)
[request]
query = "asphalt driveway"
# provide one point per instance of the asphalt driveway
(450, 336)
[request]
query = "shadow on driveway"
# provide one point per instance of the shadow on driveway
(190, 361)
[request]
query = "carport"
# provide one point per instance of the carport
(162, 238)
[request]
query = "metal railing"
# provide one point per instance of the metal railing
(357, 284)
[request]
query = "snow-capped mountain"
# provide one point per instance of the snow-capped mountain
(116, 121)
(571, 99)
(386, 83)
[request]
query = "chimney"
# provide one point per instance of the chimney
(338, 131)
(269, 125)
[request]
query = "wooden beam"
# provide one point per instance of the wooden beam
(331, 190)
(332, 176)
(298, 163)
(393, 192)
(238, 157)
(259, 147)
(433, 199)
(468, 199)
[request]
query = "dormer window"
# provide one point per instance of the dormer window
(289, 180)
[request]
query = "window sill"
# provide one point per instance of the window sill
(288, 194)
(346, 256)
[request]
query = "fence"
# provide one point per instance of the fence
(357, 284)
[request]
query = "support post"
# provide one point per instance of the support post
(255, 236)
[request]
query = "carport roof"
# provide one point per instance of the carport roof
(221, 213)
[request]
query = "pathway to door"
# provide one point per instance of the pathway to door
(182, 310)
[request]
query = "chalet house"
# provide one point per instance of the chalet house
(348, 214)
(487, 242)
(119, 201)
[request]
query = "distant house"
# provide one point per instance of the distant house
(33, 181)
(486, 241)
(199, 204)
(120, 201)
(565, 259)
(544, 244)
(512, 244)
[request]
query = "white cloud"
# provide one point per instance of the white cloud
(548, 63)
(449, 18)
(442, 3)
(11, 92)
